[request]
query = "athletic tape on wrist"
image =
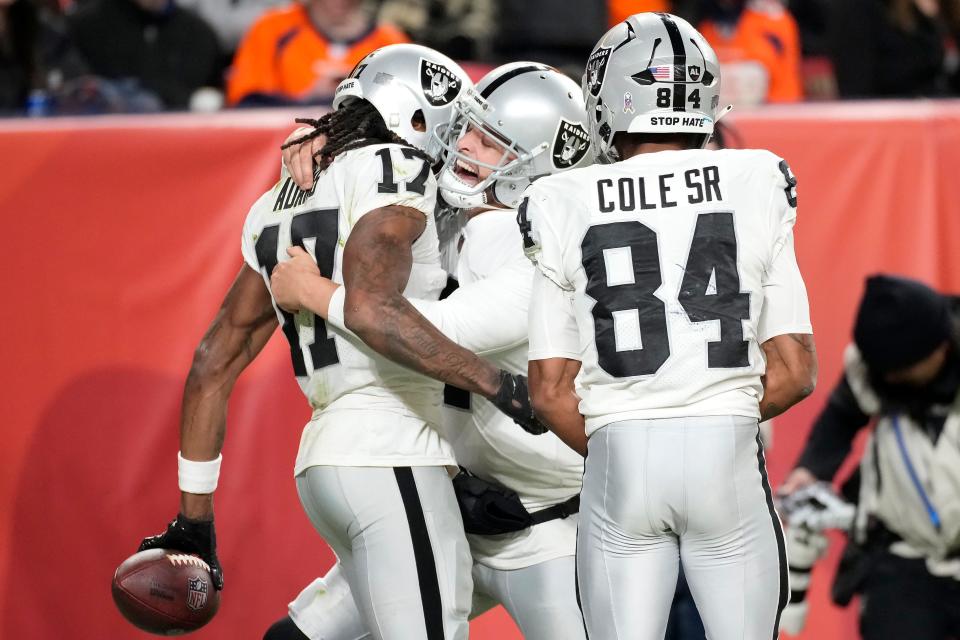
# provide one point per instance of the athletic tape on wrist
(198, 476)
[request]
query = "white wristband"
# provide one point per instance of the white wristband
(198, 476)
(335, 311)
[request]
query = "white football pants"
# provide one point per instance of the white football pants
(399, 538)
(693, 490)
(541, 599)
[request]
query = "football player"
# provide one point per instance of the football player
(524, 120)
(667, 316)
(371, 470)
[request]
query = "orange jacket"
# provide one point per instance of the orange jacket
(284, 55)
(768, 34)
(620, 10)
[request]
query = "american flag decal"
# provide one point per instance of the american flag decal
(196, 593)
(664, 72)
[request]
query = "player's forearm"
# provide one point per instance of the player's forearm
(782, 389)
(560, 412)
(203, 426)
(391, 326)
(223, 354)
(791, 373)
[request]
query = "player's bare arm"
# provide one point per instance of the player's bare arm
(241, 328)
(239, 331)
(791, 373)
(376, 264)
(555, 400)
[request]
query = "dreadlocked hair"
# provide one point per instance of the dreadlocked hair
(356, 125)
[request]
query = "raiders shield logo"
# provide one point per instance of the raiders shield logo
(196, 593)
(570, 145)
(596, 69)
(694, 72)
(439, 84)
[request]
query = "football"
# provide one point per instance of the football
(165, 592)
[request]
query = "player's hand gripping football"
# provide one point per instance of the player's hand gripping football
(513, 399)
(197, 537)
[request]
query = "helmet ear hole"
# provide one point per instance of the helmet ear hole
(418, 121)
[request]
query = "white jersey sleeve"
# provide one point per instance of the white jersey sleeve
(785, 305)
(481, 316)
(253, 225)
(396, 176)
(541, 241)
(553, 322)
(487, 312)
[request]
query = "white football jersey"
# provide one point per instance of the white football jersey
(368, 411)
(662, 274)
(487, 314)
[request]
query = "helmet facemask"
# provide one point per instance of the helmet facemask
(508, 176)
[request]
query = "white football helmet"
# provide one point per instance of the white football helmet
(652, 73)
(407, 83)
(537, 117)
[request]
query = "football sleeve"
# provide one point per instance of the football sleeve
(252, 227)
(382, 176)
(553, 323)
(541, 241)
(486, 316)
(785, 306)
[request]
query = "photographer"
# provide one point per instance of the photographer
(903, 372)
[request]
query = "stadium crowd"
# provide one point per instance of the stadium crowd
(109, 56)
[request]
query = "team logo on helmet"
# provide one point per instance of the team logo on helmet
(440, 85)
(694, 72)
(597, 69)
(196, 593)
(570, 145)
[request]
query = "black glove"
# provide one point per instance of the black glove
(513, 399)
(190, 536)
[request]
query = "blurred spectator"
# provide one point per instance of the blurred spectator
(895, 48)
(36, 57)
(557, 32)
(462, 29)
(619, 10)
(758, 44)
(816, 69)
(147, 48)
(812, 18)
(230, 19)
(903, 371)
(300, 53)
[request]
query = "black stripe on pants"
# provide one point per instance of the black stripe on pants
(422, 554)
(778, 531)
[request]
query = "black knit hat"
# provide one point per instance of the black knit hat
(900, 322)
